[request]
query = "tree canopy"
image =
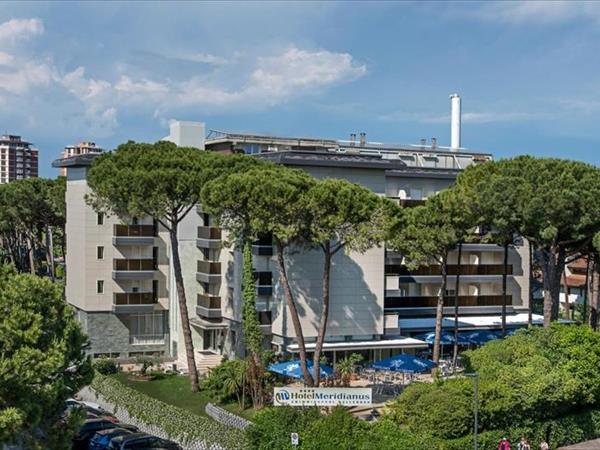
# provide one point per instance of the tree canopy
(42, 362)
(30, 210)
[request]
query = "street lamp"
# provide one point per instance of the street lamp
(475, 377)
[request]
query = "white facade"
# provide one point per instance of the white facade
(371, 293)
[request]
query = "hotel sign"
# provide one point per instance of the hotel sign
(307, 396)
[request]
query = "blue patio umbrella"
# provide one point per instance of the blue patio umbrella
(294, 370)
(404, 363)
(480, 337)
(446, 338)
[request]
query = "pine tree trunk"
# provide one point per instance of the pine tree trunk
(456, 289)
(553, 262)
(531, 280)
(50, 253)
(565, 288)
(183, 311)
(324, 314)
(504, 296)
(439, 313)
(31, 252)
(595, 297)
(287, 293)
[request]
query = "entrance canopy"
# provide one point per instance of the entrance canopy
(399, 342)
(469, 322)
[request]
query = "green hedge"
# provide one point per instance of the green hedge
(340, 430)
(177, 422)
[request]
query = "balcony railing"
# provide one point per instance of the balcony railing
(208, 306)
(265, 322)
(134, 264)
(465, 269)
(262, 250)
(209, 301)
(431, 301)
(134, 230)
(212, 233)
(209, 267)
(134, 298)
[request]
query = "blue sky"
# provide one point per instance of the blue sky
(109, 72)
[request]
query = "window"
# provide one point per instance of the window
(100, 252)
(100, 219)
(135, 221)
(146, 329)
(100, 286)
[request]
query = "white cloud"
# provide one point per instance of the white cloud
(283, 75)
(20, 77)
(537, 12)
(143, 87)
(6, 59)
(242, 81)
(16, 29)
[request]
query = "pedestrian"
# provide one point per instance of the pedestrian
(503, 444)
(523, 444)
(544, 445)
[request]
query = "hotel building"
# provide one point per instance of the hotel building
(18, 159)
(121, 282)
(82, 148)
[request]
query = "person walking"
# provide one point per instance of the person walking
(544, 445)
(503, 444)
(523, 444)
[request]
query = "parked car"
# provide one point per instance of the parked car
(92, 410)
(91, 426)
(101, 440)
(142, 441)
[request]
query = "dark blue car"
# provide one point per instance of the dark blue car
(101, 439)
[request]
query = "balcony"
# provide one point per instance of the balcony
(133, 269)
(265, 321)
(133, 234)
(431, 301)
(264, 283)
(263, 246)
(208, 306)
(435, 270)
(208, 237)
(208, 272)
(133, 302)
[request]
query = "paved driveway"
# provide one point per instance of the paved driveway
(589, 445)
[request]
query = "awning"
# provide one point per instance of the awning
(470, 322)
(400, 342)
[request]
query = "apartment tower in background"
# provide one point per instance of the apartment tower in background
(18, 159)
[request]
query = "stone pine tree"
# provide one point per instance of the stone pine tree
(426, 236)
(496, 202)
(252, 333)
(559, 212)
(266, 200)
(161, 181)
(342, 216)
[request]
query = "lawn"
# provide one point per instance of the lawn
(175, 390)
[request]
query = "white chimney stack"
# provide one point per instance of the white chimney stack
(455, 122)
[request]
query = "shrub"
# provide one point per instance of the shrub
(272, 426)
(535, 376)
(105, 366)
(334, 431)
(147, 362)
(225, 382)
(443, 409)
(178, 423)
